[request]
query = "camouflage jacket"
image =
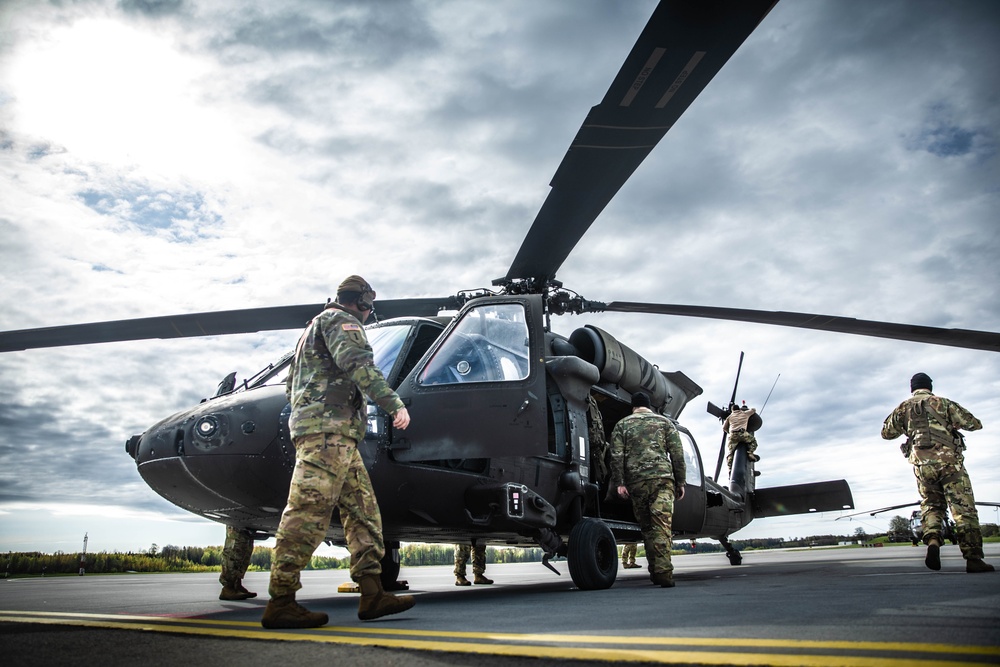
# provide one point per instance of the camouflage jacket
(332, 366)
(645, 445)
(931, 426)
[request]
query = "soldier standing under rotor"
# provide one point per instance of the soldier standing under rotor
(236, 554)
(737, 425)
(934, 447)
(478, 553)
(333, 367)
(647, 465)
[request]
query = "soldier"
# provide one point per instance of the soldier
(934, 447)
(478, 553)
(629, 549)
(333, 367)
(647, 465)
(236, 553)
(737, 425)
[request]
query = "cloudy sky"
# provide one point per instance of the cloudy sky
(172, 156)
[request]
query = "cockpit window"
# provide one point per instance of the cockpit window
(386, 343)
(693, 466)
(489, 344)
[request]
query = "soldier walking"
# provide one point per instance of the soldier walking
(934, 447)
(647, 465)
(332, 370)
(236, 554)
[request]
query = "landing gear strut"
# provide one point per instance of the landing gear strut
(734, 556)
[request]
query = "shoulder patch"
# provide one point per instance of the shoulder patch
(351, 327)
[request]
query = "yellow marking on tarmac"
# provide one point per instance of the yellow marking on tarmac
(619, 648)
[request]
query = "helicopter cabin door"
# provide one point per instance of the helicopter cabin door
(479, 392)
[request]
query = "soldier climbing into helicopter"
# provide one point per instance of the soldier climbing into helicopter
(740, 425)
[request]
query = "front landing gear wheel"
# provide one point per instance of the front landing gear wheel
(390, 570)
(592, 555)
(735, 557)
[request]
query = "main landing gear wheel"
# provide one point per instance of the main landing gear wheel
(592, 555)
(390, 569)
(732, 553)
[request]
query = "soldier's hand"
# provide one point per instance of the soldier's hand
(401, 419)
(680, 493)
(623, 491)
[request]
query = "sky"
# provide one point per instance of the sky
(160, 157)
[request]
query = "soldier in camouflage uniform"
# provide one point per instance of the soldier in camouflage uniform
(647, 465)
(934, 447)
(629, 550)
(737, 426)
(333, 368)
(478, 553)
(236, 553)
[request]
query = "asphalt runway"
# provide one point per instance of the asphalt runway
(875, 606)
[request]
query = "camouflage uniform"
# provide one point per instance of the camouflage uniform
(629, 550)
(736, 426)
(598, 444)
(647, 457)
(333, 365)
(934, 447)
(462, 553)
(236, 555)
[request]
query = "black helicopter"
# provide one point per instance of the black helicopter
(505, 456)
(915, 523)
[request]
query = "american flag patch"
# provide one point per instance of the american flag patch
(351, 327)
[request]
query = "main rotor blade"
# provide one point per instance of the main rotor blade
(975, 340)
(684, 44)
(248, 320)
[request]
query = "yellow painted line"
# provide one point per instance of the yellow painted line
(326, 635)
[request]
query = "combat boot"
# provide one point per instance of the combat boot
(460, 580)
(978, 565)
(663, 580)
(375, 602)
(284, 612)
(933, 558)
(480, 579)
(241, 589)
(231, 593)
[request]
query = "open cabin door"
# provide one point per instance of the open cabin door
(479, 393)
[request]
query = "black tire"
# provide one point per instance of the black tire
(592, 555)
(735, 558)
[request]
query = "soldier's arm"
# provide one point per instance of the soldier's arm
(892, 427)
(961, 418)
(677, 456)
(617, 455)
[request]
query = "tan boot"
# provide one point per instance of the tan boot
(231, 593)
(663, 580)
(284, 612)
(460, 580)
(480, 579)
(376, 603)
(241, 589)
(977, 565)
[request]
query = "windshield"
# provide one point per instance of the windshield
(386, 343)
(490, 344)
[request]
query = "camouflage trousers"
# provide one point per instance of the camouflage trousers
(329, 474)
(944, 486)
(734, 440)
(236, 553)
(462, 553)
(653, 505)
(628, 552)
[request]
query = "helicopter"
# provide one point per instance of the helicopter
(505, 458)
(915, 522)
